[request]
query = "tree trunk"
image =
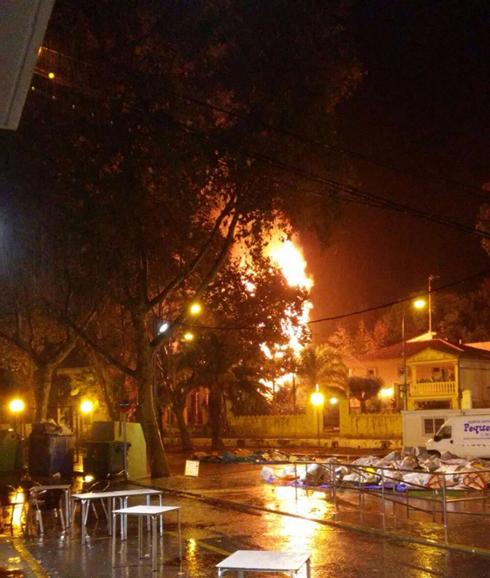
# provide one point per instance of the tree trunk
(185, 434)
(363, 405)
(147, 412)
(106, 388)
(149, 422)
(215, 407)
(43, 379)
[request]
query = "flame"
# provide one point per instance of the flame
(289, 258)
(285, 254)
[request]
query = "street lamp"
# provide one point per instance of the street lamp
(317, 400)
(195, 308)
(189, 336)
(86, 406)
(16, 407)
(419, 304)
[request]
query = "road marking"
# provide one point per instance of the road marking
(29, 559)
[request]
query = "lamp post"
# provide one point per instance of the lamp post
(16, 407)
(317, 400)
(418, 304)
(429, 283)
(87, 406)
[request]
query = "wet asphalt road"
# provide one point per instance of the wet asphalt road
(211, 532)
(213, 528)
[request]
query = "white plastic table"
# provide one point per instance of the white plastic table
(155, 513)
(65, 488)
(242, 561)
(110, 497)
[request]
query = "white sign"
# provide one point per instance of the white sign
(191, 468)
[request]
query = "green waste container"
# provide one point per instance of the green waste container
(10, 451)
(104, 458)
(51, 454)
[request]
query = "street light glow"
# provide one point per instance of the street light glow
(420, 303)
(195, 309)
(386, 393)
(317, 398)
(87, 406)
(333, 400)
(163, 327)
(51, 75)
(188, 336)
(17, 406)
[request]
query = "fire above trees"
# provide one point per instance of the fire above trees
(287, 256)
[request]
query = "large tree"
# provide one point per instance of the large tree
(243, 309)
(161, 175)
(40, 281)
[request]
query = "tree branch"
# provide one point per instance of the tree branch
(208, 278)
(80, 332)
(179, 279)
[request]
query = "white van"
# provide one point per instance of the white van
(464, 436)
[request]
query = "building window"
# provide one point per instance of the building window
(371, 372)
(432, 425)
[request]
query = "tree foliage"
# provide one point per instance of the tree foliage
(323, 366)
(363, 388)
(155, 187)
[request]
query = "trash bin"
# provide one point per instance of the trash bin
(10, 451)
(50, 454)
(104, 458)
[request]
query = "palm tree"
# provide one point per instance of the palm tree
(323, 366)
(230, 373)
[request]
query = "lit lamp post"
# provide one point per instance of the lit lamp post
(418, 304)
(317, 400)
(87, 406)
(16, 408)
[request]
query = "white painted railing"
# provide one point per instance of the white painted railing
(427, 388)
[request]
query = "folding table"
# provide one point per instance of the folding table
(289, 563)
(155, 513)
(110, 497)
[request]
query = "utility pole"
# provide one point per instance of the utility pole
(429, 282)
(404, 365)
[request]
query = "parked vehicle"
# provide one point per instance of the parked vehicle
(464, 436)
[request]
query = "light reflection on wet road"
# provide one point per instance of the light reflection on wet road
(212, 531)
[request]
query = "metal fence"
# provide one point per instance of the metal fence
(383, 484)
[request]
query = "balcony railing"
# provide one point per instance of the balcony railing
(431, 388)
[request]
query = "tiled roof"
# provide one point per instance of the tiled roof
(412, 347)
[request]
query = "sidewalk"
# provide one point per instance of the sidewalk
(16, 561)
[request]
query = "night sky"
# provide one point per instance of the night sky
(423, 109)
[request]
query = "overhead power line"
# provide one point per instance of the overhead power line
(328, 146)
(343, 191)
(52, 55)
(333, 188)
(354, 313)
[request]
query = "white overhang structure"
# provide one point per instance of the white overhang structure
(22, 27)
